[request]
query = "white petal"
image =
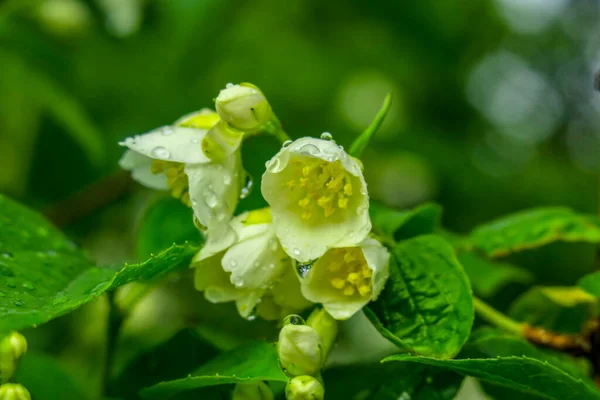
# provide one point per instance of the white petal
(248, 302)
(378, 260)
(214, 192)
(170, 143)
(210, 278)
(302, 240)
(140, 167)
(255, 263)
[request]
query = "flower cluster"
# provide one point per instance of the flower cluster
(311, 245)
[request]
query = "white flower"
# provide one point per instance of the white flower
(198, 160)
(318, 198)
(244, 107)
(345, 279)
(253, 267)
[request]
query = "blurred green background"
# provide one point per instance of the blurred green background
(494, 108)
(493, 111)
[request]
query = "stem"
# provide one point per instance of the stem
(115, 320)
(274, 128)
(495, 317)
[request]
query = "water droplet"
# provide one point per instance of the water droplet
(304, 268)
(273, 165)
(28, 285)
(287, 143)
(5, 270)
(232, 263)
(296, 252)
(273, 245)
(341, 147)
(161, 152)
(210, 198)
(251, 317)
(167, 130)
(19, 303)
(294, 320)
(247, 189)
(194, 203)
(229, 85)
(6, 254)
(11, 282)
(195, 141)
(326, 136)
(227, 179)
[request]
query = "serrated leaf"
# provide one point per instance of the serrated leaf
(252, 361)
(405, 224)
(426, 307)
(489, 277)
(45, 275)
(534, 228)
(522, 373)
(591, 283)
(391, 381)
(362, 141)
(166, 221)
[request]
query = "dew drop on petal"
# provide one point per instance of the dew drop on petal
(210, 198)
(287, 143)
(273, 165)
(161, 152)
(167, 130)
(247, 189)
(227, 179)
(232, 263)
(326, 136)
(229, 85)
(308, 149)
(304, 268)
(296, 252)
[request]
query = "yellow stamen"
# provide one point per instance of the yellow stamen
(353, 277)
(364, 290)
(348, 189)
(338, 283)
(349, 290)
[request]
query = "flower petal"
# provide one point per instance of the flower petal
(378, 260)
(170, 143)
(140, 167)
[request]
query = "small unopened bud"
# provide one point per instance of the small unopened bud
(326, 326)
(252, 391)
(300, 350)
(244, 107)
(304, 388)
(12, 348)
(14, 391)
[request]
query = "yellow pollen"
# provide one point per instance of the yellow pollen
(177, 180)
(349, 290)
(348, 271)
(338, 283)
(320, 188)
(364, 290)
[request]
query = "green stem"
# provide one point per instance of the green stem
(115, 320)
(495, 317)
(274, 128)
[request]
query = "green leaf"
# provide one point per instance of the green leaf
(252, 361)
(426, 307)
(45, 275)
(362, 141)
(390, 381)
(534, 228)
(522, 373)
(537, 309)
(489, 277)
(405, 224)
(591, 283)
(165, 222)
(45, 379)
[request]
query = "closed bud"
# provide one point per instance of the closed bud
(300, 350)
(244, 107)
(304, 388)
(14, 391)
(12, 349)
(252, 391)
(326, 326)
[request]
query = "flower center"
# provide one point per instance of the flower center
(177, 180)
(350, 272)
(323, 187)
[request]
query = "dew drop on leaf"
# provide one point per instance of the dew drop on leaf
(28, 285)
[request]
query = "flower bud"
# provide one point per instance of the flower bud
(326, 327)
(304, 388)
(252, 391)
(12, 349)
(244, 107)
(300, 350)
(14, 391)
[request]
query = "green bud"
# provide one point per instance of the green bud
(304, 388)
(252, 391)
(326, 326)
(14, 391)
(244, 107)
(12, 348)
(300, 350)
